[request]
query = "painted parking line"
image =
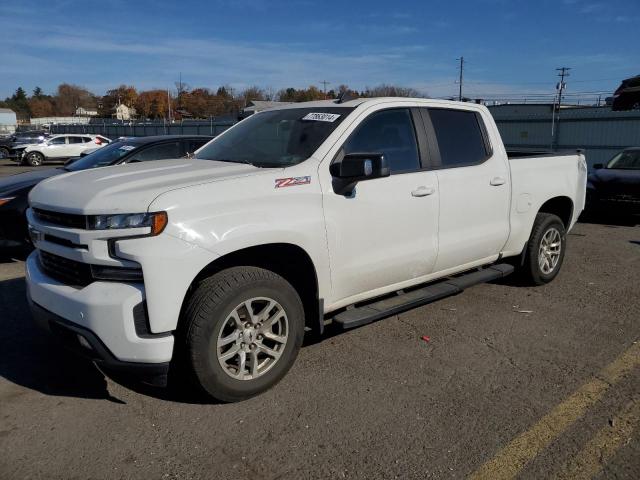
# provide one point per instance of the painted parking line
(509, 461)
(601, 448)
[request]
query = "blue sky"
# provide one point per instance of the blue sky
(511, 47)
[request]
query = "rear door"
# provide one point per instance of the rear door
(474, 187)
(75, 146)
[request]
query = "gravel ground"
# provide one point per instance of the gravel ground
(376, 402)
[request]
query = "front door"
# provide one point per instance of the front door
(385, 233)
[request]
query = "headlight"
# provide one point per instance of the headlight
(156, 221)
(4, 200)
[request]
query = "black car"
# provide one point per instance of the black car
(14, 189)
(614, 188)
(9, 145)
(627, 96)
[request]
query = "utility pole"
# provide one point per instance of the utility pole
(460, 81)
(560, 87)
(324, 87)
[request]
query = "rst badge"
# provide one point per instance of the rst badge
(292, 181)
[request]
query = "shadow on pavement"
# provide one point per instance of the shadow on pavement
(609, 219)
(32, 359)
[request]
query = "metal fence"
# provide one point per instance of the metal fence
(115, 130)
(600, 131)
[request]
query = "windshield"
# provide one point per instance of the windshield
(277, 138)
(629, 160)
(103, 156)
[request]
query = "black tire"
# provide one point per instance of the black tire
(34, 159)
(205, 316)
(531, 271)
(4, 152)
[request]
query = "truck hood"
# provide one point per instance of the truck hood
(128, 188)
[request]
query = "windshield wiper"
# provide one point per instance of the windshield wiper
(230, 161)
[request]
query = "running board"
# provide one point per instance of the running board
(356, 317)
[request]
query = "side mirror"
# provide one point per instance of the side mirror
(356, 167)
(597, 166)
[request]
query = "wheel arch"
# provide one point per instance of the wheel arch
(561, 206)
(288, 260)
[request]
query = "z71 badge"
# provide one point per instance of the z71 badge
(292, 181)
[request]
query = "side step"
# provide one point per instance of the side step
(355, 317)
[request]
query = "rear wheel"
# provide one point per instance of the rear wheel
(34, 159)
(4, 152)
(244, 328)
(545, 250)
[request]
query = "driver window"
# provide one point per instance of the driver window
(391, 133)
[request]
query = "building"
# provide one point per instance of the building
(83, 112)
(8, 121)
(256, 106)
(122, 112)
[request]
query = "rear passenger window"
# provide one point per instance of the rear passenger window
(75, 140)
(158, 152)
(460, 137)
(391, 133)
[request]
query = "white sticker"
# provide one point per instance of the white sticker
(127, 148)
(321, 117)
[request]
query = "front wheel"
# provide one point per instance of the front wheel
(545, 250)
(244, 328)
(34, 159)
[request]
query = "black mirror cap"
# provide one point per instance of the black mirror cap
(597, 166)
(360, 166)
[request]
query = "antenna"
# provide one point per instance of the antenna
(460, 81)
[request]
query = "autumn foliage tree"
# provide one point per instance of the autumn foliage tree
(69, 97)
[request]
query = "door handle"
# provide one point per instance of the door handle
(497, 181)
(423, 191)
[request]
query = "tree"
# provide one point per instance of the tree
(303, 95)
(252, 93)
(37, 93)
(69, 97)
(385, 90)
(18, 103)
(41, 107)
(152, 104)
(126, 94)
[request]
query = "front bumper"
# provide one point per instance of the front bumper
(103, 313)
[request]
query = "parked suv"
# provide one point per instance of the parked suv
(61, 147)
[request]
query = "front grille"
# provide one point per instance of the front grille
(69, 272)
(78, 274)
(61, 219)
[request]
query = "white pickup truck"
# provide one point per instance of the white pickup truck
(296, 217)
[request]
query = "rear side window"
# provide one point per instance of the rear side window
(461, 140)
(75, 139)
(391, 133)
(158, 152)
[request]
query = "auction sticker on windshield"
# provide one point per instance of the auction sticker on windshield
(321, 117)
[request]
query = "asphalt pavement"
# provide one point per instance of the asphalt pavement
(498, 382)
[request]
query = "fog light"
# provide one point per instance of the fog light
(83, 341)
